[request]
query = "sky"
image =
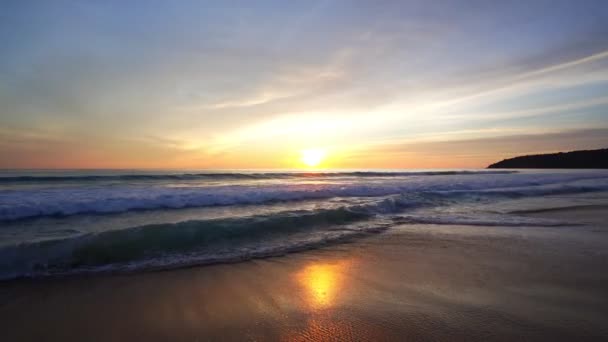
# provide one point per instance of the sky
(250, 84)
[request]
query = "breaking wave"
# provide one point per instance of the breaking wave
(22, 204)
(45, 236)
(192, 242)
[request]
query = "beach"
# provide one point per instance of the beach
(412, 282)
(304, 171)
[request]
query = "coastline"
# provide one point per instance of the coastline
(419, 282)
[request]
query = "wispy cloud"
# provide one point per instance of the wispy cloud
(480, 152)
(194, 85)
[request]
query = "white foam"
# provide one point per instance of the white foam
(19, 204)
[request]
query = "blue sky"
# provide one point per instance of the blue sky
(246, 84)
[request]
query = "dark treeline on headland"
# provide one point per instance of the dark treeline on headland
(589, 159)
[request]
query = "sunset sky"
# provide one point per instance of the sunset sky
(250, 84)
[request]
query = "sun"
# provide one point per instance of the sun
(312, 157)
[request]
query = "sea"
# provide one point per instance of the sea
(56, 223)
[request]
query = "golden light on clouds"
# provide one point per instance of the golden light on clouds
(365, 84)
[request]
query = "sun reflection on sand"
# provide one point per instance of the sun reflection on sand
(324, 288)
(322, 283)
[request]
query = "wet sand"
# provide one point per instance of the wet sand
(413, 282)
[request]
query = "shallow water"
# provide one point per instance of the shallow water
(70, 222)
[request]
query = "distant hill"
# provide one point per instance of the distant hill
(590, 159)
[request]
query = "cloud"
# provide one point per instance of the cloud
(481, 151)
(290, 83)
(186, 80)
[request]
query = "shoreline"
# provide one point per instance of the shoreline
(420, 282)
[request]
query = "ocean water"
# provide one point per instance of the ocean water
(71, 222)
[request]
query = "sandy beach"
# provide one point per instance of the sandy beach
(413, 282)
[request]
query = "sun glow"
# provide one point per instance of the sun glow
(312, 157)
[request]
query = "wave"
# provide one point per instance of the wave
(235, 175)
(199, 242)
(28, 204)
(190, 242)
